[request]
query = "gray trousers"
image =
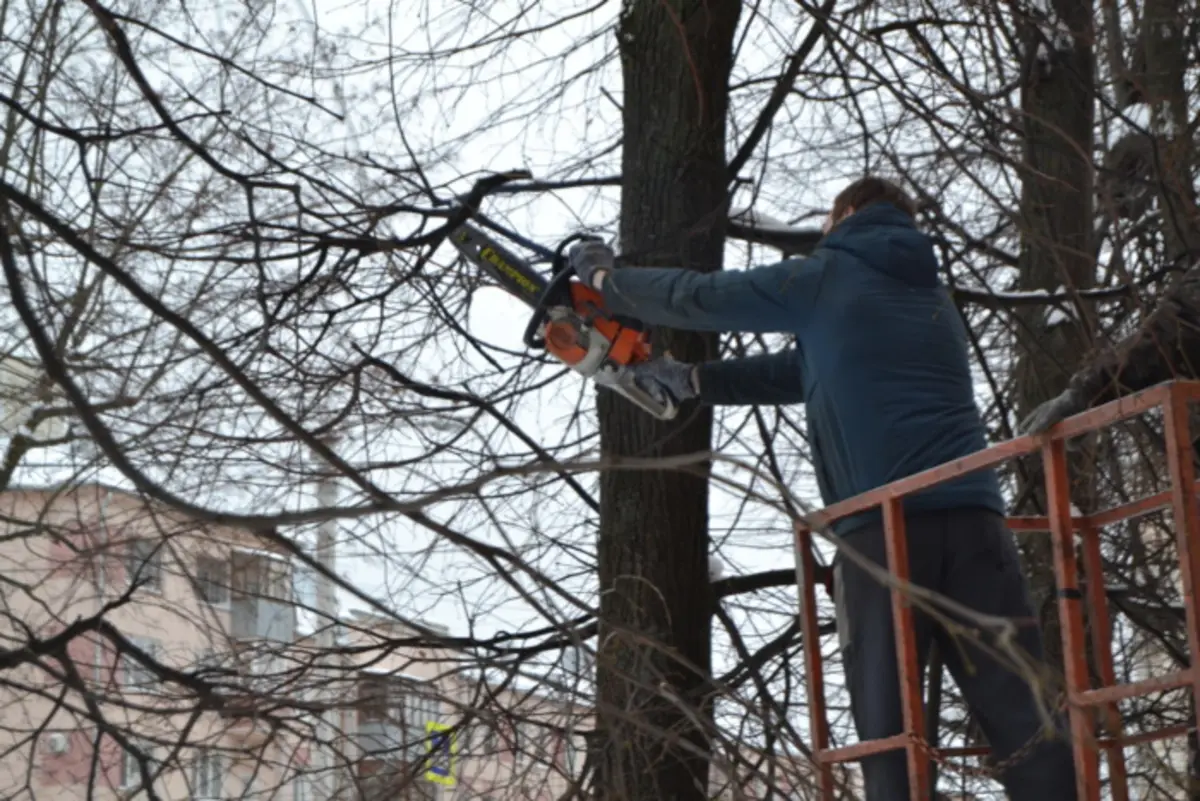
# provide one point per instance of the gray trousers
(970, 556)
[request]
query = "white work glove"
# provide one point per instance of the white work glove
(591, 259)
(665, 377)
(1066, 404)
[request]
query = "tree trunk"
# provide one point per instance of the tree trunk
(1057, 218)
(1163, 30)
(655, 631)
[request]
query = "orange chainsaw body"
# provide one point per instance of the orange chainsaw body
(563, 338)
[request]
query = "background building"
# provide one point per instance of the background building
(145, 647)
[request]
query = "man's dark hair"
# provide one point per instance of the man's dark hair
(866, 191)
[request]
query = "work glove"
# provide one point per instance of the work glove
(1055, 410)
(590, 257)
(667, 377)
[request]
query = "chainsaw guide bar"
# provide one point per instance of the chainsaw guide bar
(569, 320)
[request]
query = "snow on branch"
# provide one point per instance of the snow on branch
(750, 225)
(1059, 298)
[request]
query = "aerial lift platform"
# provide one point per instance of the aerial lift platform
(1083, 702)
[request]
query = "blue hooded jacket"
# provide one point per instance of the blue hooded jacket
(880, 358)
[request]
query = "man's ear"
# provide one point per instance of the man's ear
(831, 223)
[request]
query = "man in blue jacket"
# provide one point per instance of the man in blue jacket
(881, 364)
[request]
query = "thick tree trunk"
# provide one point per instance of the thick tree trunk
(1163, 32)
(1057, 218)
(655, 635)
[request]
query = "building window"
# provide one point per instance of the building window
(143, 564)
(484, 739)
(207, 776)
(421, 708)
(302, 789)
(388, 780)
(571, 754)
(132, 763)
(511, 740)
(305, 590)
(100, 663)
(399, 709)
(131, 771)
(537, 742)
(135, 675)
(212, 580)
(372, 698)
(255, 575)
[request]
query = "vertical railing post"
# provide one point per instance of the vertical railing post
(896, 539)
(1178, 440)
(1066, 573)
(1102, 650)
(818, 720)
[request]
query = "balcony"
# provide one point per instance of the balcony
(381, 737)
(262, 619)
(393, 780)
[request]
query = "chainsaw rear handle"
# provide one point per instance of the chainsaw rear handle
(556, 293)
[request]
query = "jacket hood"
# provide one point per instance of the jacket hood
(887, 240)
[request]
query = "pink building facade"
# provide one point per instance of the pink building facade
(225, 702)
(148, 649)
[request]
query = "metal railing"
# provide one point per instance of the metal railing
(1174, 400)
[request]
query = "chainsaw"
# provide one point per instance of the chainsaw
(569, 320)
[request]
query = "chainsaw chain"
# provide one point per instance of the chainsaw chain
(992, 771)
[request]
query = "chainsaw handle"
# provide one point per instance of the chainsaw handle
(556, 290)
(556, 293)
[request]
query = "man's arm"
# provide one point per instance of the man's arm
(770, 299)
(767, 380)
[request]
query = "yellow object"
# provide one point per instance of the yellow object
(441, 738)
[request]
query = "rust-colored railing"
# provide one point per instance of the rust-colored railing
(1174, 399)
